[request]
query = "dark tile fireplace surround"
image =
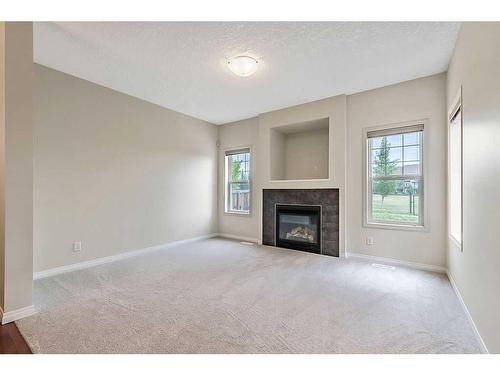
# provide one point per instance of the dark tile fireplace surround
(302, 219)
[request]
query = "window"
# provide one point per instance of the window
(394, 188)
(237, 178)
(455, 160)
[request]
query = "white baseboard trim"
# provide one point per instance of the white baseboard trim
(464, 306)
(418, 266)
(239, 238)
(114, 258)
(10, 316)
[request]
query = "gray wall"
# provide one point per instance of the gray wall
(476, 66)
(115, 172)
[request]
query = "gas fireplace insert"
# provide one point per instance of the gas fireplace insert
(298, 227)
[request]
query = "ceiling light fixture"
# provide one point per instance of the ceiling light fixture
(243, 65)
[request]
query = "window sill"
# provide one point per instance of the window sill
(402, 227)
(236, 213)
(301, 180)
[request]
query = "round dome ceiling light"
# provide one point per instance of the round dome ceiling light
(243, 65)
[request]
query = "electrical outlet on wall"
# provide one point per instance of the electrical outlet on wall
(369, 240)
(77, 246)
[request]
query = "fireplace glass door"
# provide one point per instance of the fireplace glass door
(298, 227)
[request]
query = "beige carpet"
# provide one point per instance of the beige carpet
(219, 296)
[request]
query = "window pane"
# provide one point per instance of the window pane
(386, 158)
(394, 140)
(396, 201)
(395, 161)
(412, 168)
(238, 192)
(411, 138)
(391, 141)
(390, 154)
(239, 196)
(396, 170)
(399, 169)
(412, 153)
(382, 165)
(239, 167)
(375, 142)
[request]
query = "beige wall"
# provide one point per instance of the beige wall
(277, 155)
(17, 165)
(306, 155)
(414, 100)
(258, 132)
(418, 99)
(116, 172)
(476, 66)
(240, 134)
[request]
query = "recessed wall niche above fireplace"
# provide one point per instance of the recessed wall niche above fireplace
(302, 219)
(300, 151)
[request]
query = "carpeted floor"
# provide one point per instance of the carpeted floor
(220, 296)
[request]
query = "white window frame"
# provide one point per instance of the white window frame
(227, 211)
(455, 107)
(424, 217)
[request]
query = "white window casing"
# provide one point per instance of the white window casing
(416, 175)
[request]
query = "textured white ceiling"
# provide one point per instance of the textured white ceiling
(181, 66)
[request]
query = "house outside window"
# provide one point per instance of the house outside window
(238, 181)
(394, 191)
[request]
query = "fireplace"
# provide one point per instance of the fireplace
(298, 227)
(323, 203)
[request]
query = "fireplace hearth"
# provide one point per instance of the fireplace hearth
(298, 227)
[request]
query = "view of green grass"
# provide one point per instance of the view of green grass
(396, 208)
